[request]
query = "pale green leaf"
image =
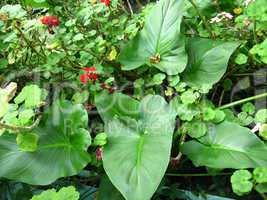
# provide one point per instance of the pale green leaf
(208, 60)
(133, 143)
(160, 43)
(227, 145)
(61, 151)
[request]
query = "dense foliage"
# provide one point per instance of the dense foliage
(135, 100)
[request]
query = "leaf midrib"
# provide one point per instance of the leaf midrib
(160, 30)
(221, 147)
(139, 151)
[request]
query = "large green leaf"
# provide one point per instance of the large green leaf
(116, 104)
(208, 60)
(160, 43)
(133, 144)
(227, 145)
(61, 152)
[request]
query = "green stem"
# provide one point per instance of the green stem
(17, 129)
(201, 174)
(202, 18)
(243, 101)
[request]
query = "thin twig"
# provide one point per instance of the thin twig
(130, 7)
(243, 101)
(21, 128)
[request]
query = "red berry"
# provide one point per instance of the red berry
(111, 90)
(98, 153)
(103, 86)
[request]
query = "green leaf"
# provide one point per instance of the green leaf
(80, 97)
(241, 59)
(78, 37)
(263, 131)
(260, 175)
(244, 119)
(160, 43)
(36, 3)
(116, 104)
(158, 78)
(219, 116)
(25, 116)
(241, 182)
(208, 114)
(100, 139)
(261, 116)
(208, 60)
(65, 193)
(184, 112)
(3, 63)
(227, 145)
(248, 108)
(13, 11)
(61, 148)
(174, 80)
(260, 50)
(134, 143)
(54, 58)
(32, 96)
(188, 97)
(196, 129)
(261, 188)
(27, 141)
(257, 10)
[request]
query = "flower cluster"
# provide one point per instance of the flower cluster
(106, 2)
(221, 16)
(50, 21)
(89, 74)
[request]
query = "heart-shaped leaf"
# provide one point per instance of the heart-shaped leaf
(133, 144)
(61, 148)
(208, 60)
(227, 145)
(160, 43)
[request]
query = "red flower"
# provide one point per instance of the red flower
(89, 74)
(89, 69)
(50, 21)
(83, 78)
(106, 2)
(98, 153)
